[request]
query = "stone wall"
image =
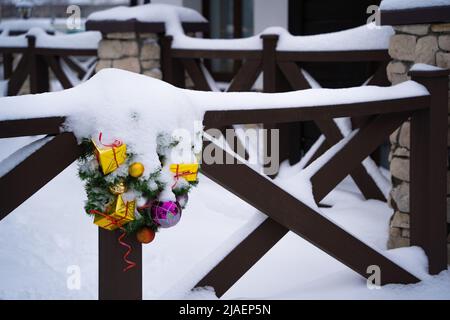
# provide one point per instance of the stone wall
(135, 52)
(425, 43)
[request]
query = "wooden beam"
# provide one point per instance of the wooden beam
(243, 257)
(365, 141)
(239, 258)
(37, 170)
(31, 127)
(292, 214)
(114, 283)
(246, 76)
(75, 66)
(19, 75)
(360, 176)
(335, 56)
(55, 65)
(7, 65)
(194, 70)
(293, 75)
(216, 54)
(285, 115)
(428, 171)
(426, 15)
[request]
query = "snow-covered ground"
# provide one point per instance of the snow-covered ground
(47, 234)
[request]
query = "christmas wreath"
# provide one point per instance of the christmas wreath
(121, 195)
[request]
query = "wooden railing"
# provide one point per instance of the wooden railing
(282, 72)
(428, 115)
(35, 62)
(428, 153)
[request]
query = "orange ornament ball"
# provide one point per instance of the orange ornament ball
(136, 169)
(145, 235)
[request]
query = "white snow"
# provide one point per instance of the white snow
(82, 40)
(116, 100)
(3, 88)
(425, 67)
(365, 37)
(41, 238)
(19, 41)
(49, 233)
(26, 24)
(17, 157)
(149, 13)
(409, 4)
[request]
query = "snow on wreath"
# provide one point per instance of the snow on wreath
(121, 196)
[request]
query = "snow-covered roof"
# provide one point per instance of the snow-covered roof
(148, 13)
(410, 4)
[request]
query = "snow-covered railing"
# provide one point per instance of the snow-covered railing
(365, 37)
(424, 100)
(146, 18)
(41, 51)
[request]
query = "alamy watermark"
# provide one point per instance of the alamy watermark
(374, 278)
(73, 277)
(230, 146)
(373, 21)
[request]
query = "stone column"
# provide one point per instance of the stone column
(135, 52)
(424, 43)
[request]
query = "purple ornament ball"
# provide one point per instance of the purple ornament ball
(166, 214)
(183, 200)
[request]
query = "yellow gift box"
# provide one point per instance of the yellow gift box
(110, 157)
(187, 171)
(118, 214)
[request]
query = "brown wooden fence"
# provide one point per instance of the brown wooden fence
(428, 187)
(282, 72)
(34, 64)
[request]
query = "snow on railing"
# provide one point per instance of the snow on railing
(123, 98)
(366, 37)
(84, 40)
(148, 13)
(126, 93)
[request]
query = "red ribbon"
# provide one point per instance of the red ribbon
(115, 144)
(130, 264)
(180, 174)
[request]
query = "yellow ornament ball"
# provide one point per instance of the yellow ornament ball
(136, 169)
(118, 188)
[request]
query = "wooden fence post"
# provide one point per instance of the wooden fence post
(428, 171)
(39, 77)
(172, 69)
(114, 283)
(8, 59)
(272, 83)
